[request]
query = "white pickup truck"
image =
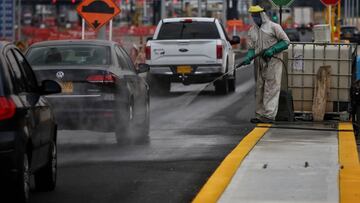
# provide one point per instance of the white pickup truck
(191, 50)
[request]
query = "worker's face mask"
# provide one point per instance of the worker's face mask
(257, 19)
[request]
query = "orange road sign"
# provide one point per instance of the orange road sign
(97, 12)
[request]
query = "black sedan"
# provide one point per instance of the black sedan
(350, 33)
(101, 89)
(27, 127)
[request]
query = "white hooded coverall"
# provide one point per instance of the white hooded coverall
(268, 83)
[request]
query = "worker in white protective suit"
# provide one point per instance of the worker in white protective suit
(267, 39)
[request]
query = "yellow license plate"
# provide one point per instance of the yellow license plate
(67, 87)
(183, 69)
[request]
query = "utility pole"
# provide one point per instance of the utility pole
(145, 12)
(199, 8)
(357, 13)
(163, 10)
(338, 23)
(345, 12)
(353, 12)
(206, 8)
(224, 11)
(19, 20)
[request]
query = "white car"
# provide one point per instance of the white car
(191, 50)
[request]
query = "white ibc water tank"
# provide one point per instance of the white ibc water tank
(322, 33)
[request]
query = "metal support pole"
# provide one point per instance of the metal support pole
(357, 13)
(338, 25)
(353, 12)
(199, 8)
(224, 11)
(163, 10)
(206, 8)
(345, 12)
(348, 12)
(2, 31)
(83, 29)
(110, 30)
(145, 11)
(330, 22)
(19, 20)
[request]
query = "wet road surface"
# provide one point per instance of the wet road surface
(190, 135)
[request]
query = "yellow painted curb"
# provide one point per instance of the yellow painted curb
(220, 179)
(349, 176)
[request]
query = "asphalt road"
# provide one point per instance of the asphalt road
(190, 135)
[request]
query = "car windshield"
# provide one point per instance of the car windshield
(69, 55)
(188, 30)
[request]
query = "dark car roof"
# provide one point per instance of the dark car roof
(75, 41)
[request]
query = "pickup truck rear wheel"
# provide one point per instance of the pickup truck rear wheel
(222, 86)
(232, 83)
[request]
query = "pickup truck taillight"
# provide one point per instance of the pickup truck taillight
(148, 52)
(219, 51)
(108, 79)
(7, 108)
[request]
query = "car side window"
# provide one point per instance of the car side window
(127, 59)
(16, 74)
(28, 72)
(121, 58)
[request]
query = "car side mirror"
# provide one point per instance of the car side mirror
(49, 87)
(235, 40)
(142, 68)
(149, 38)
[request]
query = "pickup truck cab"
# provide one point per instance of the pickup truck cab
(191, 50)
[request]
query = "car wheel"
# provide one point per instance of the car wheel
(45, 178)
(143, 134)
(22, 187)
(232, 83)
(222, 86)
(124, 123)
(158, 85)
(129, 130)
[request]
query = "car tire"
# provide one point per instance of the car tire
(158, 85)
(45, 178)
(222, 86)
(232, 83)
(22, 185)
(143, 135)
(129, 130)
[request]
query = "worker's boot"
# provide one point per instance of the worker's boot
(255, 120)
(261, 120)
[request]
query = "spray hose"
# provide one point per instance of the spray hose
(260, 54)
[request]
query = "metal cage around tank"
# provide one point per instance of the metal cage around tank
(303, 61)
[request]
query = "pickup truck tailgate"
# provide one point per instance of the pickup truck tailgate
(177, 52)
